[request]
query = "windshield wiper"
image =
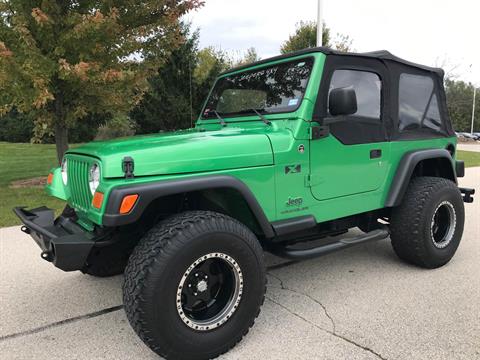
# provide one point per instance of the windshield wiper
(220, 118)
(261, 116)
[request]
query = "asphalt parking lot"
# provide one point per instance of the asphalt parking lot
(362, 303)
(474, 146)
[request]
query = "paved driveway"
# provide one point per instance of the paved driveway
(362, 303)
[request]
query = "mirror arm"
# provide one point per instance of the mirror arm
(323, 130)
(334, 120)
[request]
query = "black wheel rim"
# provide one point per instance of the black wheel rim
(209, 291)
(443, 225)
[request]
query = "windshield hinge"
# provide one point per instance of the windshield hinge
(128, 166)
(318, 132)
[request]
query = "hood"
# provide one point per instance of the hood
(182, 152)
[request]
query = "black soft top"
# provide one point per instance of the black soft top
(381, 54)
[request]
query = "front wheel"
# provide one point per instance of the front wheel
(427, 227)
(194, 285)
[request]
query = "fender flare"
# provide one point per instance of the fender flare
(405, 170)
(149, 192)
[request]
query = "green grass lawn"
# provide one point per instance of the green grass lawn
(471, 158)
(26, 161)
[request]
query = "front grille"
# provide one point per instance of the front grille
(80, 194)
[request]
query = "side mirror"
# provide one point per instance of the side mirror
(342, 101)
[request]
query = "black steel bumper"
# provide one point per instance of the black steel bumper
(63, 242)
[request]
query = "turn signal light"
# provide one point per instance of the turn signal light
(127, 203)
(50, 179)
(97, 200)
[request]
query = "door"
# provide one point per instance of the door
(353, 159)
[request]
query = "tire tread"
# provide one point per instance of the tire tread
(163, 239)
(407, 219)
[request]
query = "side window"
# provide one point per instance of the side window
(418, 104)
(432, 118)
(367, 86)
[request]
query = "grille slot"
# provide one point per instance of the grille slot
(77, 171)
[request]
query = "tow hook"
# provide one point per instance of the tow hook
(47, 255)
(467, 194)
(25, 230)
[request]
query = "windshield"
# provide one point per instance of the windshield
(274, 89)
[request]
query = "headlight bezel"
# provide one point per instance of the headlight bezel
(94, 176)
(64, 171)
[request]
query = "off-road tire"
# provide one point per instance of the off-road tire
(159, 262)
(411, 222)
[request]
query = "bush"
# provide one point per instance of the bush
(86, 129)
(16, 127)
(120, 126)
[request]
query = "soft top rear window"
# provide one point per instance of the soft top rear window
(418, 104)
(274, 89)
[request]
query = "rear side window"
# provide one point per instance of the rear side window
(418, 103)
(367, 86)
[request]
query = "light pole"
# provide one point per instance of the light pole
(473, 103)
(320, 23)
(473, 107)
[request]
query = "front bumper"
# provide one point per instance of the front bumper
(63, 242)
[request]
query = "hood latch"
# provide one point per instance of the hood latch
(128, 166)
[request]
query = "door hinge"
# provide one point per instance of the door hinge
(313, 180)
(308, 180)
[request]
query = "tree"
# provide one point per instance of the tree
(342, 42)
(250, 57)
(63, 60)
(179, 89)
(459, 101)
(181, 86)
(210, 64)
(15, 127)
(305, 36)
(170, 103)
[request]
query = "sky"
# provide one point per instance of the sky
(437, 33)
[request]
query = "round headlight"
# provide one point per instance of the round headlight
(64, 171)
(94, 177)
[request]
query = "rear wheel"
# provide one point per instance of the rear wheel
(194, 285)
(427, 227)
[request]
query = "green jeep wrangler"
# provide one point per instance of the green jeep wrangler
(300, 147)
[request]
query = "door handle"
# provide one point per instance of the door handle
(375, 154)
